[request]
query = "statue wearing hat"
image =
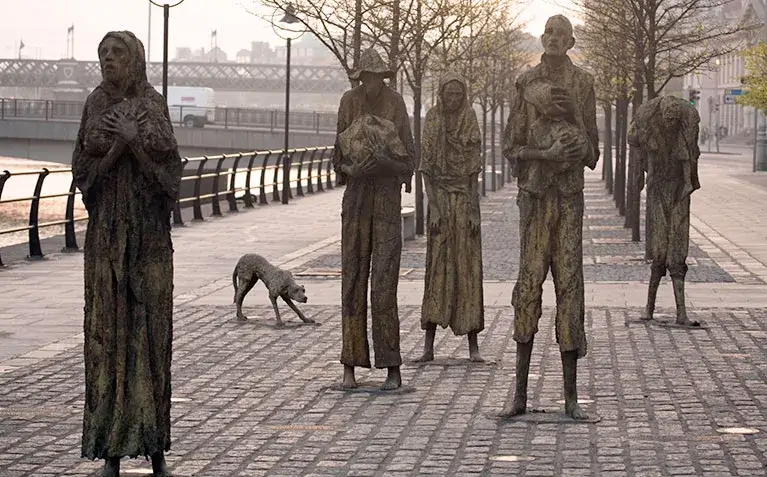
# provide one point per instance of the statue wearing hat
(374, 156)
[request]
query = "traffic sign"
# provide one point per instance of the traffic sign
(733, 92)
(730, 99)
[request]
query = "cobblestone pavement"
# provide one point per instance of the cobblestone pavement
(609, 253)
(252, 399)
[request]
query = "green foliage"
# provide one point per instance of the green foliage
(756, 79)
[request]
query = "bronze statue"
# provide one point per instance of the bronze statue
(551, 135)
(373, 170)
(127, 166)
(451, 160)
(665, 129)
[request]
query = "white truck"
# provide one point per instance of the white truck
(191, 106)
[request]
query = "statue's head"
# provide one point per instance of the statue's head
(371, 71)
(557, 37)
(122, 59)
(452, 92)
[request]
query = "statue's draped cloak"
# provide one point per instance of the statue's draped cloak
(128, 271)
(670, 158)
(451, 159)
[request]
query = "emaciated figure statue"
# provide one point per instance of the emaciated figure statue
(665, 129)
(451, 160)
(551, 135)
(371, 225)
(127, 165)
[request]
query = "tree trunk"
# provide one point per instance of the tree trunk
(502, 129)
(620, 150)
(394, 46)
(494, 180)
(607, 161)
(484, 148)
(633, 206)
(418, 73)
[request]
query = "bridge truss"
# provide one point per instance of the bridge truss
(219, 76)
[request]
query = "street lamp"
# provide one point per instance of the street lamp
(284, 29)
(166, 13)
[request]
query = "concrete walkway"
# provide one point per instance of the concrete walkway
(251, 399)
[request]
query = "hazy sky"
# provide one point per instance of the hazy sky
(42, 25)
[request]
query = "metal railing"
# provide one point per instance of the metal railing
(184, 116)
(251, 177)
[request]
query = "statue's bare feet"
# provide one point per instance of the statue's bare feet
(158, 466)
(646, 315)
(425, 358)
(682, 320)
(393, 380)
(308, 320)
(518, 407)
(475, 357)
(242, 317)
(111, 468)
(349, 381)
(573, 410)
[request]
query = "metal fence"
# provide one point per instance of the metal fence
(184, 116)
(256, 177)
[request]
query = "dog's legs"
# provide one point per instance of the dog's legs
(276, 310)
(244, 287)
(295, 308)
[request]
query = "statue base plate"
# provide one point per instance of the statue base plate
(369, 387)
(547, 416)
(450, 362)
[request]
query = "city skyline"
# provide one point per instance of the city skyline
(46, 36)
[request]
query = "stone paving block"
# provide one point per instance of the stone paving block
(257, 401)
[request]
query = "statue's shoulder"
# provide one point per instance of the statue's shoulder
(582, 76)
(352, 95)
(530, 74)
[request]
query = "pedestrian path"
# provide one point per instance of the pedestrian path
(252, 399)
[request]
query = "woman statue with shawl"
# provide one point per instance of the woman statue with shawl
(451, 161)
(126, 164)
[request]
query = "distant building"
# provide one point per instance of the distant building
(723, 75)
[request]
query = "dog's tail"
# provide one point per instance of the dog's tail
(234, 282)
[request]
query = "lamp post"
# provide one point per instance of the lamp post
(284, 30)
(166, 14)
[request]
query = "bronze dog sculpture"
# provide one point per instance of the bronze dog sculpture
(253, 267)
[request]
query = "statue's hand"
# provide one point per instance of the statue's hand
(562, 102)
(124, 126)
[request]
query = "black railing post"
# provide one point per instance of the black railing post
(262, 193)
(214, 190)
(232, 186)
(2, 108)
(299, 186)
(275, 188)
(287, 165)
(320, 171)
(310, 178)
(197, 206)
(226, 118)
(330, 167)
(70, 240)
(177, 219)
(248, 197)
(35, 251)
(3, 178)
(46, 109)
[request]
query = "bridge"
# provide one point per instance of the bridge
(219, 76)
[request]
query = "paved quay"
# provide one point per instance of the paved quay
(252, 399)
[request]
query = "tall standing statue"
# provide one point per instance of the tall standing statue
(665, 129)
(551, 135)
(451, 160)
(127, 166)
(374, 156)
